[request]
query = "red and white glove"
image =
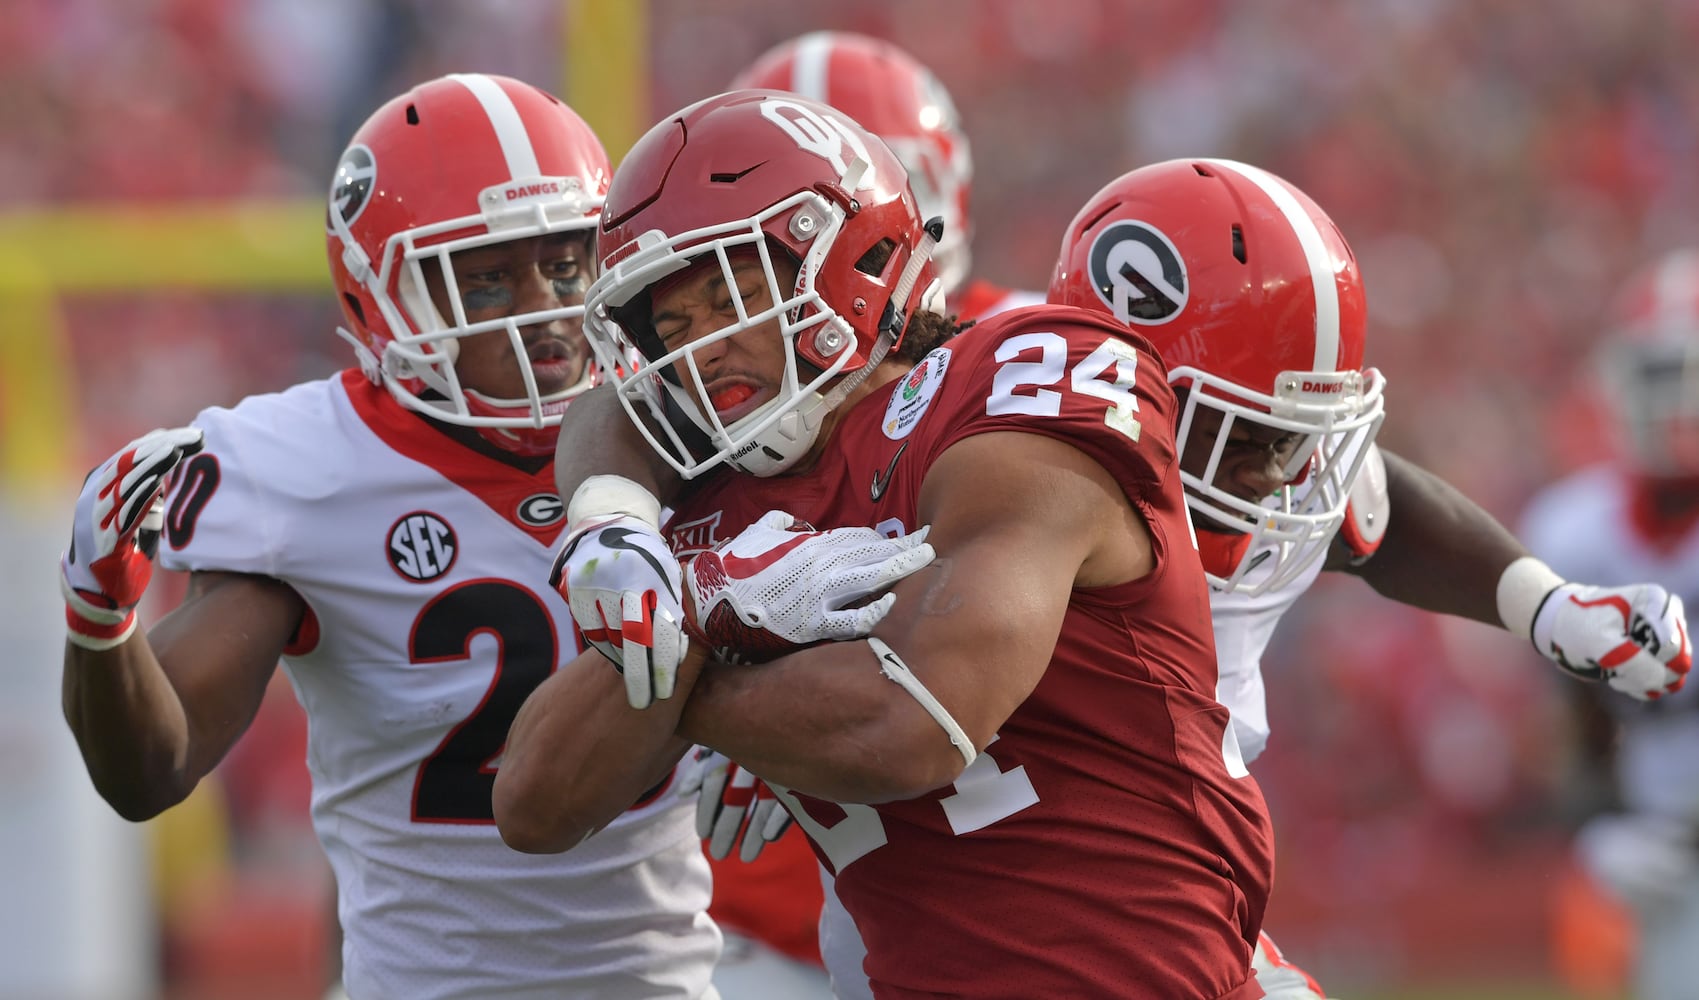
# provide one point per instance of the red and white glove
(114, 534)
(780, 584)
(733, 806)
(1634, 638)
(623, 584)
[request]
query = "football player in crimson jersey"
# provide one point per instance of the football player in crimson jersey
(387, 533)
(1253, 299)
(1022, 780)
(773, 897)
(1637, 518)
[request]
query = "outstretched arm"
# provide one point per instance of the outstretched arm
(1443, 553)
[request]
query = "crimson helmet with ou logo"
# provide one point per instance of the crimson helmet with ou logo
(742, 176)
(889, 93)
(1650, 362)
(1252, 297)
(463, 162)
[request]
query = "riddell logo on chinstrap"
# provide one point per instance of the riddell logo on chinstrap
(532, 190)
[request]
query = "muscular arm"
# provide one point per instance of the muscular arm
(1018, 521)
(598, 438)
(578, 755)
(155, 714)
(1442, 552)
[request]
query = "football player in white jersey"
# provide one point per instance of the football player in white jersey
(1637, 518)
(1253, 298)
(387, 533)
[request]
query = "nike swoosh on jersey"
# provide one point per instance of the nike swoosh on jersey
(745, 567)
(882, 482)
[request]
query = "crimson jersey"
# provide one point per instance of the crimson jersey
(1109, 842)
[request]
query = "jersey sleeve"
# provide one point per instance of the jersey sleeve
(233, 507)
(1057, 372)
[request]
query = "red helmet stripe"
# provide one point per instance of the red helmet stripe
(1310, 239)
(504, 118)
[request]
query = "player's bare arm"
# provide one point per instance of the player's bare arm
(578, 755)
(1018, 521)
(1442, 552)
(598, 438)
(154, 714)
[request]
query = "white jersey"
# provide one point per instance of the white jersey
(424, 565)
(1582, 527)
(1244, 625)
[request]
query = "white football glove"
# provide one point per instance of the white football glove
(1634, 638)
(780, 584)
(727, 795)
(114, 534)
(622, 582)
(1647, 861)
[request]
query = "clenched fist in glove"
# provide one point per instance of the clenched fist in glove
(1634, 638)
(624, 587)
(780, 584)
(114, 534)
(727, 795)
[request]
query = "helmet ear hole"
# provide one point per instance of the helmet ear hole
(877, 256)
(352, 303)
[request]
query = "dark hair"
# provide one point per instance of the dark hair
(926, 332)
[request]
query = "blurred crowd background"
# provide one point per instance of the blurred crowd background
(1500, 167)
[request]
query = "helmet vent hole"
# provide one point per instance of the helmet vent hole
(731, 177)
(877, 256)
(412, 114)
(354, 308)
(1239, 243)
(1202, 171)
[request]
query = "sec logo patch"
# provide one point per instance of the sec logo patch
(422, 546)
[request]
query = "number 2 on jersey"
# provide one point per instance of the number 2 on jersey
(1007, 395)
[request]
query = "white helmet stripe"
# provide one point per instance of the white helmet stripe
(808, 72)
(1674, 294)
(504, 117)
(1315, 254)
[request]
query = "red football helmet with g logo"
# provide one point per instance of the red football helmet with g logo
(889, 93)
(756, 173)
(1650, 361)
(464, 161)
(1252, 297)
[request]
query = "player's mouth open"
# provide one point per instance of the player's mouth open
(734, 400)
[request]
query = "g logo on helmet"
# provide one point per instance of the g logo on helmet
(351, 189)
(819, 134)
(1138, 273)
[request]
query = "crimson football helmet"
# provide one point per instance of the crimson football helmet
(1252, 297)
(889, 93)
(1650, 361)
(746, 174)
(461, 162)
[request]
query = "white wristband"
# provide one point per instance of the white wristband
(1521, 588)
(892, 666)
(600, 496)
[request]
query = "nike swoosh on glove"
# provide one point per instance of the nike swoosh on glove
(1634, 638)
(623, 584)
(781, 585)
(114, 534)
